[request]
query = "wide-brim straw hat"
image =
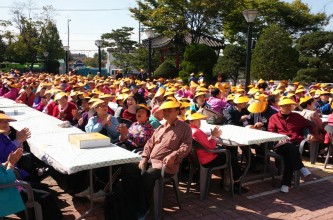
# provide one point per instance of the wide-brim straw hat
(195, 116)
(170, 104)
(257, 106)
(241, 99)
(59, 95)
(7, 118)
(286, 101)
(185, 104)
(97, 102)
(143, 106)
(304, 99)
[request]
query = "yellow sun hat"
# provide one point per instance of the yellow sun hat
(299, 90)
(257, 106)
(241, 99)
(198, 94)
(170, 104)
(230, 97)
(185, 104)
(6, 117)
(59, 95)
(304, 99)
(169, 93)
(261, 97)
(97, 102)
(261, 81)
(195, 116)
(143, 106)
(160, 92)
(286, 101)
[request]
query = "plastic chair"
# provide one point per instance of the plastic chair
(279, 159)
(329, 130)
(206, 173)
(30, 203)
(158, 192)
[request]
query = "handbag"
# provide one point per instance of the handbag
(213, 117)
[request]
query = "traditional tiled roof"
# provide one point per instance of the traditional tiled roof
(163, 41)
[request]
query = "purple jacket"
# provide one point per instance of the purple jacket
(216, 104)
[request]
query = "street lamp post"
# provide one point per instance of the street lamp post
(150, 34)
(46, 54)
(249, 15)
(66, 48)
(99, 43)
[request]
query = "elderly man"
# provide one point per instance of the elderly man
(291, 124)
(170, 143)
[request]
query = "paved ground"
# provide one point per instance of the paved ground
(313, 200)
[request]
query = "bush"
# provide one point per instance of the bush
(166, 70)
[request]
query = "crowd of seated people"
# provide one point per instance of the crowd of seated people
(150, 115)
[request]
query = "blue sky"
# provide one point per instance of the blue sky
(87, 26)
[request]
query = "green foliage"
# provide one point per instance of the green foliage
(199, 58)
(166, 70)
(120, 39)
(295, 17)
(177, 17)
(232, 63)
(316, 56)
(274, 57)
(184, 75)
(32, 37)
(93, 62)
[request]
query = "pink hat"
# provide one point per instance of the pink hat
(155, 109)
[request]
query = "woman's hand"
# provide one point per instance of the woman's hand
(23, 135)
(15, 156)
(75, 114)
(216, 132)
(143, 163)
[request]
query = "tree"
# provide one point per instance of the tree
(178, 17)
(274, 57)
(198, 58)
(50, 42)
(120, 39)
(295, 17)
(166, 70)
(232, 63)
(123, 47)
(93, 61)
(316, 57)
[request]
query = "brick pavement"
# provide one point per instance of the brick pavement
(314, 200)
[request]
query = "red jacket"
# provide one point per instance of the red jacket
(292, 126)
(29, 101)
(201, 138)
(67, 112)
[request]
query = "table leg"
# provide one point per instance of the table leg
(91, 196)
(246, 169)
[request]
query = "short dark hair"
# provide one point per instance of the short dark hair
(148, 112)
(215, 92)
(305, 104)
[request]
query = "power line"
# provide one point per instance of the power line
(74, 10)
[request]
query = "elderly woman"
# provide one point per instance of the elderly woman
(209, 160)
(215, 101)
(27, 97)
(291, 124)
(139, 132)
(199, 102)
(63, 110)
(130, 108)
(11, 199)
(6, 145)
(103, 122)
